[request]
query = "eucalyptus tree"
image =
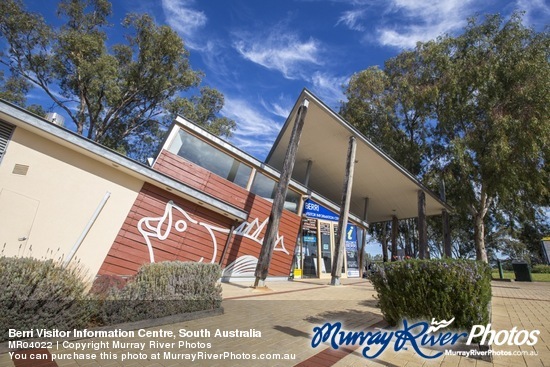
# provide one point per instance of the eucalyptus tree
(473, 110)
(115, 93)
(493, 111)
(387, 106)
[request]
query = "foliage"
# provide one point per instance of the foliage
(115, 95)
(163, 289)
(14, 89)
(202, 110)
(440, 289)
(380, 104)
(40, 294)
(541, 268)
(470, 110)
(493, 117)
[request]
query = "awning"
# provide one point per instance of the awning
(391, 190)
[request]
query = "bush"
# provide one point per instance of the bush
(39, 294)
(541, 268)
(440, 289)
(163, 289)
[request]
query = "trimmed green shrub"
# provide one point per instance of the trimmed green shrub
(541, 268)
(163, 289)
(440, 289)
(40, 294)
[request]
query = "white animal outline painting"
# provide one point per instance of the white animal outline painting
(152, 227)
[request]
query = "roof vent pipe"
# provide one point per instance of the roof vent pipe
(55, 118)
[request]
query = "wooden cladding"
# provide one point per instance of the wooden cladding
(196, 233)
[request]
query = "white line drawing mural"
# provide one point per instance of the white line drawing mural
(152, 227)
(242, 266)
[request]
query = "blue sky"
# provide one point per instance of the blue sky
(261, 54)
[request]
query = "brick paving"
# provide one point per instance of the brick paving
(285, 315)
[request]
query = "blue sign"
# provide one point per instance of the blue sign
(315, 210)
(351, 251)
(351, 238)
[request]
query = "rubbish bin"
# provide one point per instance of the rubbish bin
(522, 271)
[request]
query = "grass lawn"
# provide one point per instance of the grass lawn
(537, 277)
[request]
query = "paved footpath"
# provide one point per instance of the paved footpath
(285, 316)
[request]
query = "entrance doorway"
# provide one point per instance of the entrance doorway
(318, 242)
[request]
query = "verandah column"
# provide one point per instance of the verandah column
(422, 227)
(363, 240)
(447, 247)
(266, 252)
(344, 211)
(394, 232)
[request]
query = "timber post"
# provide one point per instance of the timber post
(268, 244)
(446, 234)
(344, 212)
(422, 226)
(385, 242)
(394, 232)
(447, 248)
(363, 240)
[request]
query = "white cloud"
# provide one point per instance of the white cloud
(403, 23)
(255, 132)
(423, 20)
(352, 19)
(280, 51)
(329, 88)
(184, 20)
(281, 107)
(536, 12)
(280, 110)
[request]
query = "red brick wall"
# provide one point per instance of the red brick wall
(130, 250)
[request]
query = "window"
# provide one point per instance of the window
(205, 155)
(6, 131)
(265, 187)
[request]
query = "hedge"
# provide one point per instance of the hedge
(440, 289)
(163, 289)
(41, 294)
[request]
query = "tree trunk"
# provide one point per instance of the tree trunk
(479, 238)
(479, 226)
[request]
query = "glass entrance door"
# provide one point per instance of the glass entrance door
(326, 239)
(318, 243)
(327, 242)
(309, 248)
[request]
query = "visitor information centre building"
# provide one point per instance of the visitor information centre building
(65, 197)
